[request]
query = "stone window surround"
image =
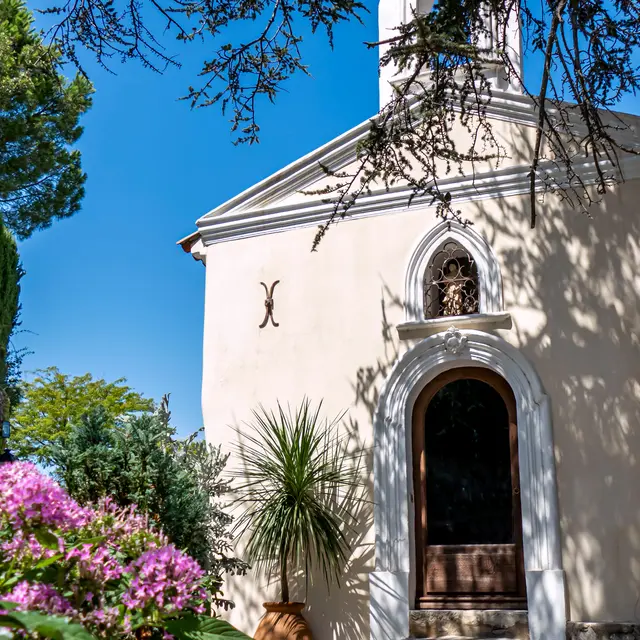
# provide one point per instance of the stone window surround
(489, 277)
(392, 584)
(491, 314)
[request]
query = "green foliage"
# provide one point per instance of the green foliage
(53, 402)
(140, 461)
(301, 489)
(191, 627)
(40, 175)
(437, 122)
(205, 464)
(237, 74)
(10, 274)
(44, 626)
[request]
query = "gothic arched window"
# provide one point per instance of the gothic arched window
(451, 282)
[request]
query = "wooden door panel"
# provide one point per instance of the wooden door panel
(479, 569)
(466, 575)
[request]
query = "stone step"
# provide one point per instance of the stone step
(462, 624)
(603, 630)
(463, 638)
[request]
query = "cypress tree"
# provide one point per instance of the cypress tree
(10, 273)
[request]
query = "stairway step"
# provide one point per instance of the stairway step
(469, 624)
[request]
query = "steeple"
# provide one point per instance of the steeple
(392, 13)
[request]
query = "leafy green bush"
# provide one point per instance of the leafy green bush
(176, 482)
(53, 401)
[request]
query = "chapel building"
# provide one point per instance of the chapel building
(490, 371)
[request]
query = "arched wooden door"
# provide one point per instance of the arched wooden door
(467, 493)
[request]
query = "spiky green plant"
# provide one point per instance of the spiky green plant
(300, 489)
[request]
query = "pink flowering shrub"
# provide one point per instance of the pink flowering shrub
(29, 499)
(163, 578)
(39, 597)
(102, 566)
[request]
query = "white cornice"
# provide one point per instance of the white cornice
(340, 152)
(495, 184)
(299, 174)
(256, 211)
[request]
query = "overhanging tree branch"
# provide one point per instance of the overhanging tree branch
(548, 56)
(448, 63)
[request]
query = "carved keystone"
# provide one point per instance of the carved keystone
(454, 341)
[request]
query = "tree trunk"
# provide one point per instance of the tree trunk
(284, 583)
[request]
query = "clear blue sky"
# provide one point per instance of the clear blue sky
(108, 291)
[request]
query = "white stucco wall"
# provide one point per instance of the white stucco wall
(572, 286)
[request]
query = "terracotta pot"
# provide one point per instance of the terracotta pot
(283, 621)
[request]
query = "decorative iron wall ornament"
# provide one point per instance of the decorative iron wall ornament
(268, 306)
(451, 283)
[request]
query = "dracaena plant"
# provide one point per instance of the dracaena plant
(300, 488)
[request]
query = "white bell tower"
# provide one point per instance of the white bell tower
(392, 13)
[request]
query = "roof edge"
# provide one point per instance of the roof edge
(188, 241)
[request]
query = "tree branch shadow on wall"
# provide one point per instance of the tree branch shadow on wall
(578, 281)
(345, 610)
(572, 286)
(370, 378)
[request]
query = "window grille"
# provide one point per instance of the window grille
(451, 283)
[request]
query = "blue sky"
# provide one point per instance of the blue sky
(108, 291)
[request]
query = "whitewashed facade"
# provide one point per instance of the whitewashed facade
(558, 318)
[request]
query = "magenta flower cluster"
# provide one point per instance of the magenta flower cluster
(25, 549)
(30, 499)
(40, 597)
(95, 563)
(104, 566)
(117, 522)
(163, 578)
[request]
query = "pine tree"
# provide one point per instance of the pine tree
(40, 174)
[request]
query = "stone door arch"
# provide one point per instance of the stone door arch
(393, 581)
